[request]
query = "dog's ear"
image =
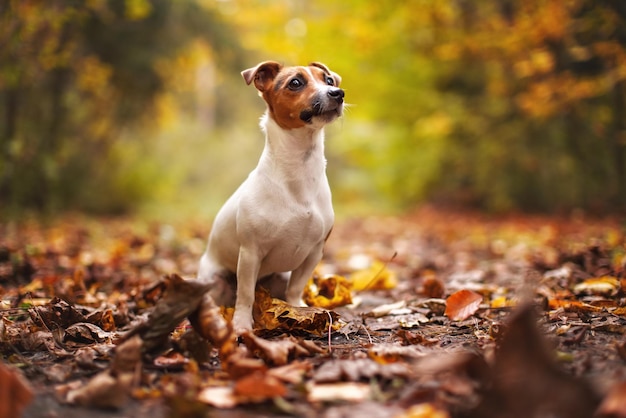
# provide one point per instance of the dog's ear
(262, 74)
(335, 76)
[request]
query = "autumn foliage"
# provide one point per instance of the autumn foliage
(479, 311)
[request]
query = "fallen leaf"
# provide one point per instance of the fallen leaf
(127, 356)
(462, 304)
(613, 404)
(258, 387)
(332, 392)
(573, 306)
(376, 277)
(606, 286)
(527, 382)
(103, 390)
(327, 292)
(293, 372)
(502, 302)
(209, 322)
(271, 313)
(180, 300)
(15, 392)
(358, 369)
(424, 410)
(84, 333)
(384, 310)
(432, 287)
(222, 397)
(280, 351)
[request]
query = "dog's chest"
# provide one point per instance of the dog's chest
(293, 230)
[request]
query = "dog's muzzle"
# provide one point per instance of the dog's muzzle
(327, 106)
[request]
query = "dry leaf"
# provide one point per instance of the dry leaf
(220, 397)
(358, 369)
(462, 304)
(258, 387)
(424, 410)
(327, 292)
(293, 372)
(103, 390)
(127, 356)
(331, 392)
(84, 333)
(271, 313)
(605, 286)
(209, 322)
(180, 300)
(278, 352)
(15, 393)
(613, 404)
(376, 277)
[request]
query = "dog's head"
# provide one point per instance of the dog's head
(298, 96)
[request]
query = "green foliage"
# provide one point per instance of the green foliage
(497, 105)
(74, 76)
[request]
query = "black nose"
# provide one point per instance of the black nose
(336, 93)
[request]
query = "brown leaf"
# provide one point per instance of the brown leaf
(220, 397)
(259, 386)
(180, 300)
(613, 404)
(57, 313)
(103, 390)
(271, 313)
(344, 391)
(462, 304)
(15, 393)
(127, 357)
(209, 322)
(293, 372)
(327, 292)
(355, 370)
(277, 352)
(526, 382)
(85, 333)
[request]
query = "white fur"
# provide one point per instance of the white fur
(276, 222)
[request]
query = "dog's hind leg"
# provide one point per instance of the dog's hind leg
(299, 276)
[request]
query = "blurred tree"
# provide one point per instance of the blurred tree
(73, 75)
(499, 105)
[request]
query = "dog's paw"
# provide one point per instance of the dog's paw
(241, 323)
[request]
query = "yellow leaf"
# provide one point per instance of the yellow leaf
(502, 302)
(327, 292)
(605, 285)
(376, 277)
(271, 313)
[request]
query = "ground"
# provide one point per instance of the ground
(452, 315)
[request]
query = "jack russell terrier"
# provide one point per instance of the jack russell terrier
(280, 217)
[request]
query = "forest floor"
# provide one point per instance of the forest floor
(451, 315)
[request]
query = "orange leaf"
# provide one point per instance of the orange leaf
(462, 304)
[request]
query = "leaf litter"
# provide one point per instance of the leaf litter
(432, 315)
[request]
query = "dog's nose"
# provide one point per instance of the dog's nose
(337, 94)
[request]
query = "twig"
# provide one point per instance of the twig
(368, 334)
(330, 329)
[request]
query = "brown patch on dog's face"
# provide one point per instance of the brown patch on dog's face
(298, 96)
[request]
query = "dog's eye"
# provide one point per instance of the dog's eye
(295, 84)
(330, 81)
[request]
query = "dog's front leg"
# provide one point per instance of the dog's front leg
(247, 270)
(299, 276)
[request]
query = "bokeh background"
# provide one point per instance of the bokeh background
(138, 106)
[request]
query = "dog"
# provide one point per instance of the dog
(272, 230)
